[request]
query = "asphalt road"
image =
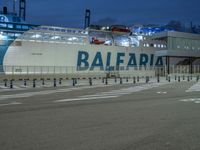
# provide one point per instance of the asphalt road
(151, 116)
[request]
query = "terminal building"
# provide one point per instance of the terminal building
(183, 49)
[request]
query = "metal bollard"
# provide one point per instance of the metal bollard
(179, 78)
(158, 78)
(134, 80)
(54, 82)
(90, 81)
(169, 79)
(138, 78)
(102, 80)
(146, 79)
(175, 78)
(115, 80)
(60, 81)
(106, 81)
(34, 85)
(127, 79)
(188, 79)
(197, 78)
(121, 80)
(5, 83)
(43, 82)
(11, 84)
(75, 80)
(25, 84)
(166, 77)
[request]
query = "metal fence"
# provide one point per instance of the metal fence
(119, 71)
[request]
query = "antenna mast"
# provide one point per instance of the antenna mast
(14, 6)
(22, 9)
(87, 18)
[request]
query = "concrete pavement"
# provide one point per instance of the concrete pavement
(153, 116)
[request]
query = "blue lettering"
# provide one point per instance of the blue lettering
(119, 60)
(82, 59)
(152, 59)
(159, 61)
(97, 62)
(132, 61)
(144, 59)
(108, 67)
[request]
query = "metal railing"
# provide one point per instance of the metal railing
(114, 71)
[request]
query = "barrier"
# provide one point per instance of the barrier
(25, 84)
(134, 81)
(34, 85)
(11, 84)
(90, 81)
(106, 81)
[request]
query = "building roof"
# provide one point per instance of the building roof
(177, 35)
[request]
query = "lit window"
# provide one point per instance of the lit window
(55, 37)
(178, 46)
(162, 46)
(36, 36)
(155, 45)
(10, 26)
(73, 39)
(147, 45)
(159, 45)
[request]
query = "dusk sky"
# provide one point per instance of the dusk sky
(70, 13)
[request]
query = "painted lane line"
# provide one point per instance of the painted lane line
(160, 92)
(46, 92)
(194, 88)
(84, 98)
(30, 94)
(126, 91)
(114, 93)
(104, 94)
(12, 103)
(194, 100)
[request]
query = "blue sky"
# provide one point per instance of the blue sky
(70, 13)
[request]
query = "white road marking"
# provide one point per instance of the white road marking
(114, 93)
(194, 100)
(45, 92)
(84, 98)
(12, 103)
(194, 88)
(160, 92)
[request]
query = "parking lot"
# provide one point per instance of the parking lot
(104, 116)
